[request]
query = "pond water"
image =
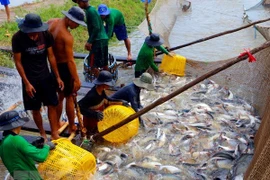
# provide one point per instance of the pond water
(14, 3)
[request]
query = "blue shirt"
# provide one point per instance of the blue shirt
(131, 94)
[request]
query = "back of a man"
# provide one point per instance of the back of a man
(115, 23)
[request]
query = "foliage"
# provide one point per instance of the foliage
(132, 18)
(6, 60)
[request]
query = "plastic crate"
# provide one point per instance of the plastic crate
(173, 65)
(68, 161)
(113, 115)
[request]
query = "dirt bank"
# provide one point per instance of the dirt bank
(29, 7)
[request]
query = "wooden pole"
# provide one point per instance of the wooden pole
(147, 17)
(12, 107)
(62, 128)
(180, 90)
(71, 136)
(216, 35)
(79, 116)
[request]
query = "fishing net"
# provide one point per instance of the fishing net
(264, 30)
(68, 161)
(113, 115)
(162, 17)
(260, 165)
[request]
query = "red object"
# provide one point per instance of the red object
(251, 58)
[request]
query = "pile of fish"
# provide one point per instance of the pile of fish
(205, 132)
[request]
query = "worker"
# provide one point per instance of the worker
(63, 51)
(18, 155)
(96, 100)
(115, 23)
(145, 57)
(131, 92)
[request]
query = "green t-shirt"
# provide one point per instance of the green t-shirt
(146, 57)
(95, 26)
(19, 157)
(115, 18)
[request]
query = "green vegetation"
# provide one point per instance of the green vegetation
(133, 11)
(6, 60)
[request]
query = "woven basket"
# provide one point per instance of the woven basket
(113, 115)
(173, 65)
(68, 161)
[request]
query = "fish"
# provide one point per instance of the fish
(169, 169)
(105, 168)
(162, 139)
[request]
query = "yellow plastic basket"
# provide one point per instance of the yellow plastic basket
(113, 115)
(68, 161)
(173, 65)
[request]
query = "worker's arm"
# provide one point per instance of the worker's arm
(28, 86)
(54, 68)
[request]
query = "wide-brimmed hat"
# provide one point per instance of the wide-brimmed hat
(104, 77)
(32, 23)
(144, 81)
(75, 14)
(154, 40)
(103, 10)
(80, 0)
(12, 119)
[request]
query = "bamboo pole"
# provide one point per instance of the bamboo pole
(71, 136)
(62, 128)
(79, 116)
(147, 17)
(180, 90)
(216, 35)
(12, 107)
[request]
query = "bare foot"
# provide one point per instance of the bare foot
(55, 136)
(129, 57)
(44, 136)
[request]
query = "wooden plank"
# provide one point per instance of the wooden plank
(28, 138)
(118, 58)
(31, 126)
(83, 55)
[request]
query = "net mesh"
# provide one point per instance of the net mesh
(162, 18)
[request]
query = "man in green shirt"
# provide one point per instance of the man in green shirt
(115, 23)
(145, 58)
(97, 42)
(17, 154)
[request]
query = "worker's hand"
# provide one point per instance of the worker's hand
(88, 46)
(100, 115)
(129, 57)
(76, 85)
(60, 83)
(30, 90)
(39, 142)
(51, 144)
(171, 54)
(125, 103)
